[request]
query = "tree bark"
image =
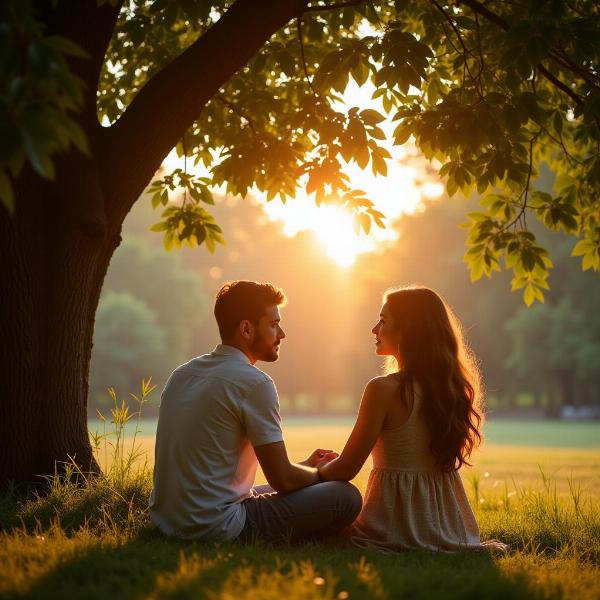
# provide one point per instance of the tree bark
(52, 271)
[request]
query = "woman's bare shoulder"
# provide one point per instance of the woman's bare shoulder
(384, 384)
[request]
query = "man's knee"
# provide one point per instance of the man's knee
(347, 497)
(353, 499)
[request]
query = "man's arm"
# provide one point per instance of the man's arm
(262, 420)
(282, 475)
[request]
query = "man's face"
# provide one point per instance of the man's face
(267, 336)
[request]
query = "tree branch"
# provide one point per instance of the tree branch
(466, 51)
(234, 109)
(500, 22)
(560, 85)
(485, 12)
(521, 216)
(560, 56)
(166, 106)
(334, 6)
(303, 58)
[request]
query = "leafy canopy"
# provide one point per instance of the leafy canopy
(487, 91)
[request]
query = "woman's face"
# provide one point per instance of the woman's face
(387, 337)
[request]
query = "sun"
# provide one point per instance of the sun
(334, 230)
(401, 191)
(333, 226)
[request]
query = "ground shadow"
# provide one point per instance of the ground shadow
(153, 566)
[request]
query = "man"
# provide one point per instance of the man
(219, 414)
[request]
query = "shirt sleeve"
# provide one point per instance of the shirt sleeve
(261, 416)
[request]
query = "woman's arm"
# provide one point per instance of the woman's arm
(369, 422)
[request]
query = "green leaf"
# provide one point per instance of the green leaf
(210, 244)
(529, 294)
(476, 269)
(162, 226)
(451, 187)
(38, 158)
(74, 132)
(378, 165)
(591, 261)
(402, 133)
(363, 221)
(583, 247)
(371, 117)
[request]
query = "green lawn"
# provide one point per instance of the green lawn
(96, 541)
(505, 432)
(497, 463)
(557, 434)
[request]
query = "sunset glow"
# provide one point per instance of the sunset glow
(400, 192)
(333, 226)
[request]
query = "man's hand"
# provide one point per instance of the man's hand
(327, 458)
(318, 456)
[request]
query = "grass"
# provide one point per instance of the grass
(497, 431)
(514, 465)
(95, 541)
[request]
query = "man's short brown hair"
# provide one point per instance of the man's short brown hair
(237, 301)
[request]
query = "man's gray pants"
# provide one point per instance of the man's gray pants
(316, 511)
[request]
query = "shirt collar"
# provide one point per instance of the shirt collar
(225, 350)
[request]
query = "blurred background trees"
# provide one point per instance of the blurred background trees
(151, 308)
(534, 360)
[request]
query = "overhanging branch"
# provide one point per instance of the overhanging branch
(303, 58)
(500, 22)
(333, 6)
(169, 102)
(233, 108)
(560, 85)
(485, 12)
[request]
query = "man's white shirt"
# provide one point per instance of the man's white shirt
(214, 410)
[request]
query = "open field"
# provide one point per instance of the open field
(511, 432)
(502, 461)
(96, 542)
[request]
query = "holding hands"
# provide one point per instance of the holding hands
(319, 458)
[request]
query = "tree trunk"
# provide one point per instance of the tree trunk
(52, 270)
(55, 250)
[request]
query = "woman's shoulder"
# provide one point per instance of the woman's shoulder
(384, 384)
(389, 385)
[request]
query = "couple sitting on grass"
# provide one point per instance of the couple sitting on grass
(219, 417)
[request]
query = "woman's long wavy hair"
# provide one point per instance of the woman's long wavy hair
(434, 355)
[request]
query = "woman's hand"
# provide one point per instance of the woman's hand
(319, 456)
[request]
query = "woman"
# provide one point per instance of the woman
(421, 423)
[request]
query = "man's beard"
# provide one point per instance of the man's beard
(263, 351)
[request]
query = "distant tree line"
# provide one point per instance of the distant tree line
(154, 311)
(150, 310)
